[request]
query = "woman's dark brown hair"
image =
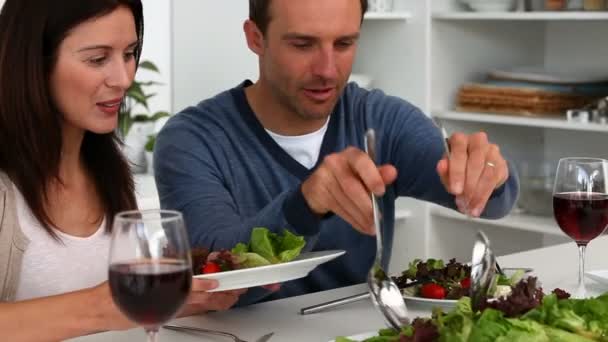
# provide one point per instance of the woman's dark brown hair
(30, 125)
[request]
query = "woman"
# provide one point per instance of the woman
(65, 67)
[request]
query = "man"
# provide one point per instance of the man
(286, 151)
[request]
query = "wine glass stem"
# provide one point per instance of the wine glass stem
(152, 335)
(581, 291)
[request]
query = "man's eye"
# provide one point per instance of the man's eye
(301, 45)
(345, 44)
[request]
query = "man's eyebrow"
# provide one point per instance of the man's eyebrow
(104, 47)
(296, 35)
(302, 36)
(353, 36)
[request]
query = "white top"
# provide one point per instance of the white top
(303, 148)
(50, 267)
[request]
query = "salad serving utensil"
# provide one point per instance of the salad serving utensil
(385, 294)
(235, 338)
(483, 267)
(350, 299)
(444, 134)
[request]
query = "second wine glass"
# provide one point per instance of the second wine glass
(580, 204)
(150, 271)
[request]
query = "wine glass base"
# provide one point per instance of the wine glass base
(580, 294)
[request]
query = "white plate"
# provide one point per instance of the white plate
(360, 337)
(491, 5)
(430, 303)
(544, 75)
(442, 303)
(271, 274)
(601, 276)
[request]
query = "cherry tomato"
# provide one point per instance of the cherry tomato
(433, 291)
(211, 267)
(465, 283)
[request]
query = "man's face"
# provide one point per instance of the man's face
(308, 53)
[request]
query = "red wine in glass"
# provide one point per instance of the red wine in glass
(582, 216)
(580, 205)
(150, 293)
(150, 272)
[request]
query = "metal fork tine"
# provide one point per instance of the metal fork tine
(265, 338)
(204, 331)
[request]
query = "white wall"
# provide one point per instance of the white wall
(157, 49)
(209, 50)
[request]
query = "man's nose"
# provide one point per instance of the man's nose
(325, 64)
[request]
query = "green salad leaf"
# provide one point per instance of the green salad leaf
(266, 248)
(584, 317)
(431, 264)
(250, 260)
(384, 335)
(456, 326)
(461, 325)
(240, 248)
(290, 246)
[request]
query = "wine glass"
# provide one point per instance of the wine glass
(580, 204)
(150, 272)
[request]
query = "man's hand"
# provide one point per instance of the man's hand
(474, 169)
(342, 185)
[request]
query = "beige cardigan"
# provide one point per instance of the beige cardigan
(12, 241)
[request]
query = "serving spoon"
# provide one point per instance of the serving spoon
(483, 269)
(385, 294)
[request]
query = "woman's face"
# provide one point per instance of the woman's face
(95, 66)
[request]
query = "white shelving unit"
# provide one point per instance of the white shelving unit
(426, 58)
(530, 223)
(402, 214)
(499, 119)
(538, 16)
(464, 47)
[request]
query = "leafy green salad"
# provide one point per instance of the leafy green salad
(264, 248)
(525, 315)
(451, 280)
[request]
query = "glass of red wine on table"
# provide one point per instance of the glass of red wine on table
(150, 273)
(580, 204)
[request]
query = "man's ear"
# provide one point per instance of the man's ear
(255, 38)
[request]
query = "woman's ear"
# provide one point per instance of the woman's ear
(254, 37)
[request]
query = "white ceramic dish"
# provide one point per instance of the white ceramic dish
(490, 5)
(446, 304)
(360, 337)
(601, 276)
(544, 75)
(428, 303)
(271, 274)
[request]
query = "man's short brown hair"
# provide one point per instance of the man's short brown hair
(259, 12)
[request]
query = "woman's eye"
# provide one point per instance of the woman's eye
(129, 55)
(97, 60)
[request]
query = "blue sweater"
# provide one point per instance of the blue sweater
(216, 164)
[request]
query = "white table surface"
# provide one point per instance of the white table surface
(555, 266)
